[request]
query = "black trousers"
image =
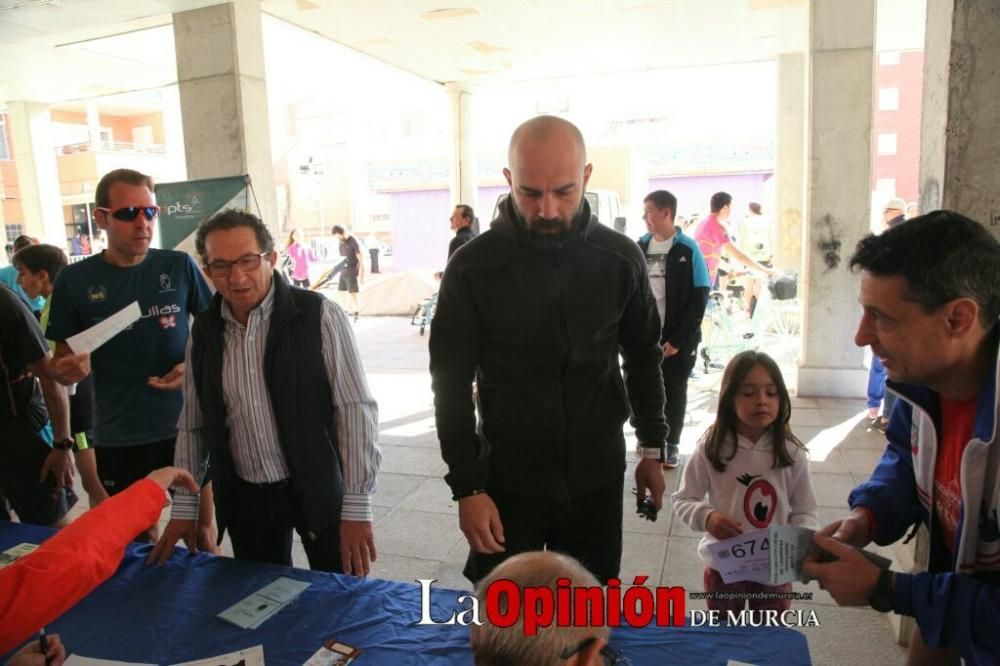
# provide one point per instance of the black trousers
(676, 372)
(588, 528)
(22, 454)
(261, 527)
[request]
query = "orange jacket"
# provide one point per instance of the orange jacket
(43, 585)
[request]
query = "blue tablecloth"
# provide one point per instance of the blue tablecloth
(167, 615)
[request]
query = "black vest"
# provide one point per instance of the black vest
(300, 394)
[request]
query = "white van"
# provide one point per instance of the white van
(603, 203)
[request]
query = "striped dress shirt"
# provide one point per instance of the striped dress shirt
(253, 432)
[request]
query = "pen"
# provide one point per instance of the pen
(43, 644)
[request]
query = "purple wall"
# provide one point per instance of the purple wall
(485, 201)
(694, 192)
(420, 228)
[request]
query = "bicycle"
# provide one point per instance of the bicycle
(728, 331)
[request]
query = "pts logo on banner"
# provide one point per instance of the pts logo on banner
(181, 208)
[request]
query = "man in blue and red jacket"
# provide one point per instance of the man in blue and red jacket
(930, 290)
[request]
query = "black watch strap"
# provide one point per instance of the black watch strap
(64, 444)
(467, 493)
(882, 598)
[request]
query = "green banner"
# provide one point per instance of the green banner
(185, 205)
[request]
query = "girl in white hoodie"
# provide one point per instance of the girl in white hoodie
(748, 472)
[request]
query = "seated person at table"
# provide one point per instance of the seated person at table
(569, 646)
(43, 585)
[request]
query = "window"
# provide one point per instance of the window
(886, 143)
(888, 58)
(888, 99)
(13, 231)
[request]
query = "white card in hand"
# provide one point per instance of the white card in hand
(789, 546)
(95, 336)
(743, 557)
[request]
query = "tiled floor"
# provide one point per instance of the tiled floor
(416, 523)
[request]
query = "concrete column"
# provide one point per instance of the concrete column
(94, 126)
(960, 125)
(37, 173)
(791, 162)
(839, 155)
(173, 131)
(220, 74)
(464, 185)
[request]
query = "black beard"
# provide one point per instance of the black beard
(548, 241)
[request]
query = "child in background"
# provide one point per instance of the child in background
(748, 472)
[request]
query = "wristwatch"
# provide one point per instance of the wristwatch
(650, 452)
(882, 598)
(64, 445)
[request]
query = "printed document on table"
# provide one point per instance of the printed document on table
(95, 336)
(251, 656)
(77, 660)
(743, 558)
(254, 610)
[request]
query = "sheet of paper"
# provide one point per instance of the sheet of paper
(789, 546)
(254, 610)
(251, 612)
(11, 555)
(98, 334)
(743, 557)
(251, 656)
(77, 660)
(283, 590)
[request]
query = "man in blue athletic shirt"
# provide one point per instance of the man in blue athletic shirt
(137, 374)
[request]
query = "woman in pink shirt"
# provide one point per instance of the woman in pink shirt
(301, 256)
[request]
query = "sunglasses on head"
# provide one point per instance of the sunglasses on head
(130, 213)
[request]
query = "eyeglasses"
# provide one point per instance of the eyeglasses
(130, 213)
(248, 263)
(609, 656)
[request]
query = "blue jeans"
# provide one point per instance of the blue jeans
(876, 383)
(876, 388)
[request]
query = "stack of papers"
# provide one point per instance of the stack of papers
(251, 612)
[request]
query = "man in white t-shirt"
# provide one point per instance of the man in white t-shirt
(678, 279)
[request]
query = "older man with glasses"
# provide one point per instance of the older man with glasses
(137, 374)
(277, 413)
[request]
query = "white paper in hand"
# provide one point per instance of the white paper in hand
(95, 336)
(789, 546)
(743, 557)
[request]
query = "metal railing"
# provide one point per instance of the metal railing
(112, 147)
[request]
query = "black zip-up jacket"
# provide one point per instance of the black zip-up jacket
(687, 291)
(462, 236)
(541, 330)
